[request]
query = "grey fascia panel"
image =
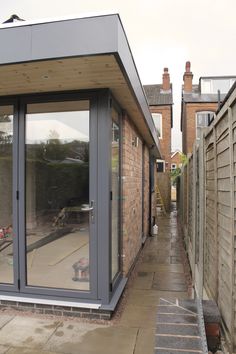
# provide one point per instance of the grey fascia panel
(79, 37)
(15, 44)
(90, 36)
(135, 82)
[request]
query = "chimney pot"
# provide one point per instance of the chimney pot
(166, 80)
(188, 66)
(188, 78)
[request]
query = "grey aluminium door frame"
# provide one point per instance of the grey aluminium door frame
(43, 291)
(113, 104)
(15, 286)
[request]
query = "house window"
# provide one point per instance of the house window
(203, 119)
(173, 166)
(160, 166)
(157, 118)
(213, 85)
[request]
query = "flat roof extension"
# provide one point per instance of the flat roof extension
(74, 54)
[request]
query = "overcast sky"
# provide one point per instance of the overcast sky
(161, 33)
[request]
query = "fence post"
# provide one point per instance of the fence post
(202, 209)
(232, 192)
(194, 210)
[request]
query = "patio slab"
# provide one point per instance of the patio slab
(21, 350)
(152, 297)
(138, 316)
(27, 332)
(4, 319)
(3, 349)
(143, 280)
(145, 341)
(82, 339)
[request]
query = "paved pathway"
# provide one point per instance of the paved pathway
(159, 274)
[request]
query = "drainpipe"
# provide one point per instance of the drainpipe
(219, 101)
(151, 189)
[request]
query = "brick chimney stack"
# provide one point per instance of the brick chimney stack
(188, 78)
(166, 80)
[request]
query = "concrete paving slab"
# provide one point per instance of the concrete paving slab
(160, 351)
(147, 267)
(82, 339)
(4, 319)
(138, 316)
(27, 332)
(143, 280)
(138, 297)
(171, 281)
(143, 297)
(3, 349)
(145, 341)
(156, 259)
(21, 350)
(176, 260)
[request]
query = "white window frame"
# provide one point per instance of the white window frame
(207, 84)
(164, 164)
(160, 118)
(173, 166)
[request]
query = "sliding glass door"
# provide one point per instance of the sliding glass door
(54, 240)
(48, 189)
(59, 182)
(58, 206)
(6, 193)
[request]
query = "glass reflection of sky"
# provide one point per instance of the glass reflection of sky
(69, 126)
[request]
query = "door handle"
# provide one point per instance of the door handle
(90, 209)
(87, 209)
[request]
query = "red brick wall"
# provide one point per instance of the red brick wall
(189, 123)
(176, 159)
(132, 195)
(165, 142)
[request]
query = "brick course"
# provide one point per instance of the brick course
(56, 310)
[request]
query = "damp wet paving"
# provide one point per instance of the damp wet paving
(160, 274)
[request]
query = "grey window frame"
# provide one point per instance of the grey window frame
(93, 237)
(14, 287)
(100, 278)
(116, 280)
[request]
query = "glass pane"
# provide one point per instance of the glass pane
(57, 195)
(115, 176)
(6, 233)
(157, 118)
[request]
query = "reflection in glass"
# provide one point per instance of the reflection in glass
(115, 174)
(6, 231)
(57, 194)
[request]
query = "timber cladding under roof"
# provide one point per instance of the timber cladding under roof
(87, 53)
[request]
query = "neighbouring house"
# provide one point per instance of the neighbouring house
(176, 159)
(160, 100)
(199, 104)
(78, 148)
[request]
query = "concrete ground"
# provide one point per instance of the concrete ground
(158, 274)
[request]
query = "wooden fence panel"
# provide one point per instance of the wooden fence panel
(213, 233)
